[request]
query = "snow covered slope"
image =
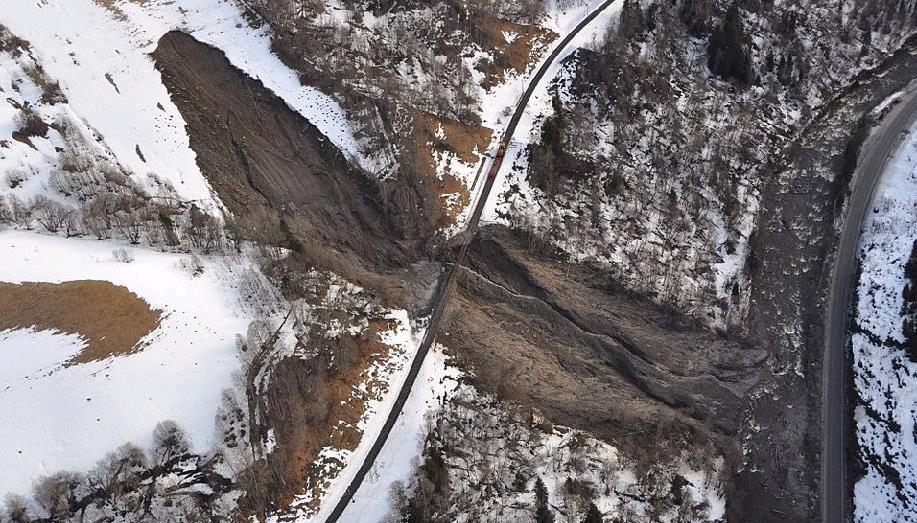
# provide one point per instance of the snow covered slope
(98, 51)
(67, 417)
(885, 379)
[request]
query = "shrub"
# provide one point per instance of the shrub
(30, 124)
(123, 255)
(17, 508)
(52, 215)
(14, 178)
(6, 216)
(57, 493)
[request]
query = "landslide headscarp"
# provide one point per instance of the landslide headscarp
(263, 158)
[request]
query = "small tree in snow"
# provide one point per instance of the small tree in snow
(56, 494)
(20, 212)
(542, 512)
(169, 441)
(6, 215)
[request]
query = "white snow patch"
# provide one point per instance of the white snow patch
(101, 58)
(399, 457)
(885, 378)
(59, 417)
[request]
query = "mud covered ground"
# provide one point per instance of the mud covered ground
(562, 337)
(791, 264)
(267, 162)
(567, 340)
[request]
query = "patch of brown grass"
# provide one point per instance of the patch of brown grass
(301, 388)
(109, 317)
(456, 137)
(517, 55)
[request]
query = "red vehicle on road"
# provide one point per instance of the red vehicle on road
(501, 151)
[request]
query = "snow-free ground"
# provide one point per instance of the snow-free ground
(58, 417)
(885, 379)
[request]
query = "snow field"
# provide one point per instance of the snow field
(68, 417)
(885, 379)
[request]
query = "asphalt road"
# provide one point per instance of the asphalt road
(443, 291)
(874, 155)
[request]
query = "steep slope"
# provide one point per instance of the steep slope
(641, 162)
(590, 354)
(263, 158)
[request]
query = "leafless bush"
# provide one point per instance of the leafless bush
(52, 215)
(130, 223)
(259, 334)
(20, 212)
(234, 232)
(192, 265)
(169, 441)
(57, 493)
(205, 231)
(14, 177)
(17, 508)
(164, 214)
(123, 255)
(118, 473)
(96, 214)
(73, 226)
(6, 216)
(30, 124)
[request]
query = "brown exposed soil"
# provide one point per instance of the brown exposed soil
(516, 55)
(436, 136)
(315, 403)
(465, 140)
(109, 317)
(264, 158)
(567, 340)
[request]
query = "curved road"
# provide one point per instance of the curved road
(874, 155)
(443, 291)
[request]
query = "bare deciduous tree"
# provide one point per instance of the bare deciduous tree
(52, 215)
(56, 493)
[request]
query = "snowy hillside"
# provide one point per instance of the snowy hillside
(228, 226)
(885, 373)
